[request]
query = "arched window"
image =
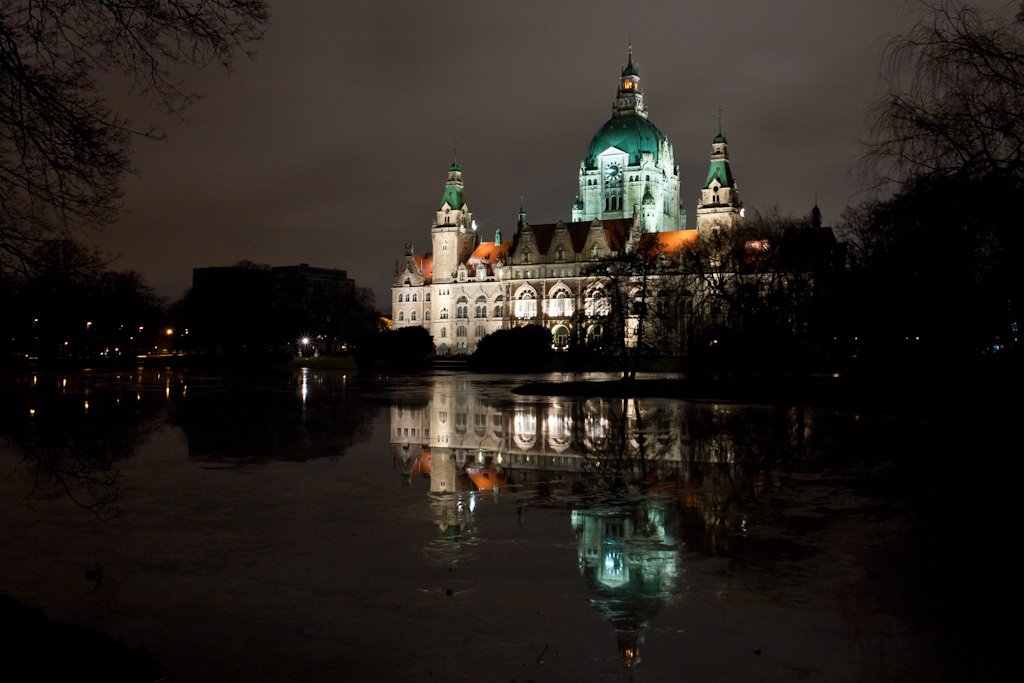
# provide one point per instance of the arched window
(444, 332)
(596, 304)
(527, 255)
(607, 203)
(561, 337)
(526, 305)
(414, 297)
(444, 314)
(595, 251)
(497, 311)
(481, 331)
(461, 332)
(560, 253)
(462, 308)
(426, 315)
(412, 316)
(481, 307)
(648, 178)
(401, 315)
(427, 297)
(561, 305)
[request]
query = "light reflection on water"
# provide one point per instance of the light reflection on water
(696, 528)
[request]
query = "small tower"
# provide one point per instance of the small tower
(577, 209)
(719, 205)
(648, 213)
(630, 98)
(452, 235)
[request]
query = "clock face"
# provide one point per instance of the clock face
(612, 171)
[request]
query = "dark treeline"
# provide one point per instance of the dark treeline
(65, 303)
(251, 311)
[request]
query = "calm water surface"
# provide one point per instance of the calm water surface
(313, 526)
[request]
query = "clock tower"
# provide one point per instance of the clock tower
(453, 235)
(630, 160)
(719, 206)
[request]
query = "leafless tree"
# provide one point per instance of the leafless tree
(63, 150)
(955, 99)
(946, 155)
(642, 284)
(759, 288)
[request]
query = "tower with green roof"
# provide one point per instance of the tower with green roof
(452, 234)
(719, 206)
(628, 157)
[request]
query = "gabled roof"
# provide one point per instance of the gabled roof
(616, 231)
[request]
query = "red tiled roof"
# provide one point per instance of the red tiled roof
(616, 232)
(485, 479)
(422, 465)
(489, 253)
(669, 242)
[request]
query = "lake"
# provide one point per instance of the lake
(303, 525)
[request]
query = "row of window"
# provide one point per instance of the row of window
(632, 179)
(426, 297)
(398, 432)
(553, 272)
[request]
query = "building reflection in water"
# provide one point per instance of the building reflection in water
(643, 478)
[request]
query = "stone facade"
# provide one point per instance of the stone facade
(464, 289)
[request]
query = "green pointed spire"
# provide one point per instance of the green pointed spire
(455, 159)
(630, 70)
(720, 137)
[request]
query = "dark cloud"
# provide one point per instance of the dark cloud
(331, 148)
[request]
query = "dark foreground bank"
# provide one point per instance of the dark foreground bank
(39, 649)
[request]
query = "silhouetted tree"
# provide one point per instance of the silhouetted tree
(762, 291)
(63, 151)
(946, 150)
(67, 304)
(642, 283)
(519, 349)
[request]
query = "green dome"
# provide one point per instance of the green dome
(631, 133)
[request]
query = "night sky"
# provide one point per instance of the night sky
(331, 148)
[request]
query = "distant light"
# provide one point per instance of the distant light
(743, 212)
(170, 331)
(474, 226)
(305, 340)
(32, 411)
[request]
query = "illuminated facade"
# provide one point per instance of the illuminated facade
(695, 458)
(629, 191)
